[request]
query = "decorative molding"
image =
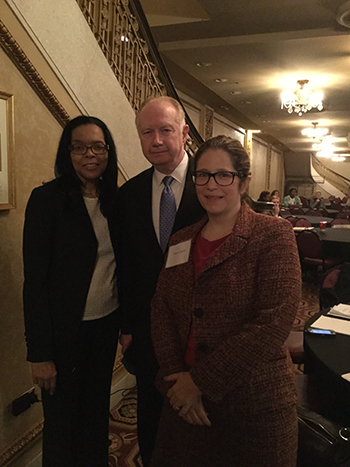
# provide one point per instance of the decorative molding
(268, 166)
(21, 443)
(208, 122)
(31, 74)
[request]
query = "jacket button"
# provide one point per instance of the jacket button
(202, 346)
(198, 312)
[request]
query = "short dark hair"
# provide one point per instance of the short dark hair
(64, 167)
(291, 189)
(238, 155)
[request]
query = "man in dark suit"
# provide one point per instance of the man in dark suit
(163, 133)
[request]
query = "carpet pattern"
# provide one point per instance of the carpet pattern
(124, 451)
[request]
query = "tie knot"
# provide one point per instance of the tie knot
(167, 180)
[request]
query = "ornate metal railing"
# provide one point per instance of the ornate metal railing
(123, 33)
(338, 181)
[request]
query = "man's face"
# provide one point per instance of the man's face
(162, 135)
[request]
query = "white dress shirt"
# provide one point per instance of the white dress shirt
(177, 186)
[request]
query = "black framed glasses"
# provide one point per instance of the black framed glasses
(222, 178)
(80, 149)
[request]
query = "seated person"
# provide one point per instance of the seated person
(275, 193)
(276, 205)
(292, 198)
(264, 196)
(317, 202)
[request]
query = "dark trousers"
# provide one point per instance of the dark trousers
(149, 407)
(77, 414)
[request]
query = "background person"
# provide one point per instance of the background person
(70, 294)
(276, 205)
(220, 319)
(264, 196)
(317, 202)
(292, 198)
(163, 132)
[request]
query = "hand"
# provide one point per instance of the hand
(44, 375)
(197, 415)
(125, 341)
(184, 393)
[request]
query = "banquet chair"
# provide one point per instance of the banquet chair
(335, 286)
(343, 215)
(304, 201)
(337, 207)
(345, 200)
(296, 211)
(293, 220)
(323, 212)
(340, 220)
(311, 251)
(313, 212)
(295, 345)
(302, 223)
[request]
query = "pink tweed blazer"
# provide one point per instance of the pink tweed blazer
(242, 307)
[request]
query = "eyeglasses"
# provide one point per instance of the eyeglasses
(80, 149)
(224, 178)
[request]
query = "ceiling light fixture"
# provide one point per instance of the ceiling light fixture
(301, 100)
(314, 132)
(336, 158)
(206, 64)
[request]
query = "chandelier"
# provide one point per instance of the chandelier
(301, 100)
(315, 133)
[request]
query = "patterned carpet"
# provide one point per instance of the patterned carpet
(309, 305)
(123, 451)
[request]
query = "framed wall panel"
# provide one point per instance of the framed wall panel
(7, 176)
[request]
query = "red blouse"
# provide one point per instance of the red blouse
(203, 250)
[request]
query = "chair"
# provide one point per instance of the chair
(345, 200)
(343, 215)
(340, 220)
(335, 286)
(332, 197)
(304, 202)
(337, 207)
(337, 200)
(296, 211)
(313, 212)
(311, 251)
(295, 345)
(323, 212)
(293, 220)
(302, 223)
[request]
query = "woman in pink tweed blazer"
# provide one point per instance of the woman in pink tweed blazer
(220, 318)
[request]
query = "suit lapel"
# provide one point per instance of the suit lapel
(145, 218)
(189, 205)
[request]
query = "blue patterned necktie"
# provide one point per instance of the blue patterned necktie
(167, 212)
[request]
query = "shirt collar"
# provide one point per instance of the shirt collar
(179, 173)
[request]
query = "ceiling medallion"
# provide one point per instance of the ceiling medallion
(301, 100)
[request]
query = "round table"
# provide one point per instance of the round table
(328, 358)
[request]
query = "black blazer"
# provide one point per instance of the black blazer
(59, 252)
(141, 256)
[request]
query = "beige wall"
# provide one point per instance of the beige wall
(36, 136)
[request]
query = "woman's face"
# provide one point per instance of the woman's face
(293, 193)
(216, 199)
(89, 167)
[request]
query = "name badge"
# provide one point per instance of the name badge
(178, 254)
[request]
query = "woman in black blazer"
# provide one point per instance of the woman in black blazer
(70, 294)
